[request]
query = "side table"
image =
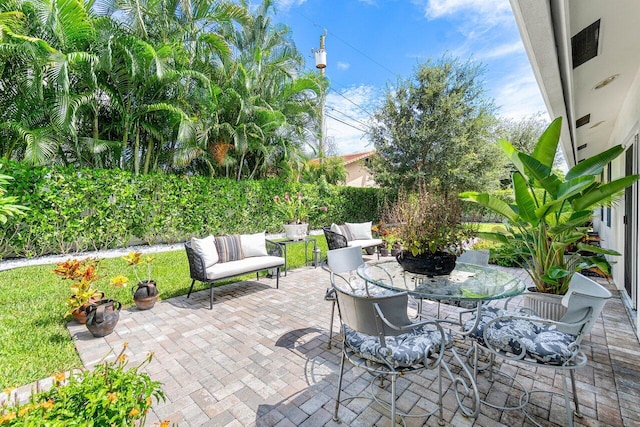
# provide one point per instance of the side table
(307, 242)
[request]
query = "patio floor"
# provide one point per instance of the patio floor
(260, 358)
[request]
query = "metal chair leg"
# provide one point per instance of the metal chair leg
(575, 394)
(335, 412)
(393, 399)
(567, 405)
(191, 288)
(211, 297)
(333, 309)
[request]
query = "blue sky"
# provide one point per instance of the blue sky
(370, 43)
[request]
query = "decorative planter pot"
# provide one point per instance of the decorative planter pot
(102, 317)
(80, 313)
(545, 305)
(146, 295)
(296, 231)
(384, 252)
(438, 264)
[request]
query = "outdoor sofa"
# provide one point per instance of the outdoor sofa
(212, 259)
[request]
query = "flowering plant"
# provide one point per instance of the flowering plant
(294, 210)
(107, 395)
(133, 259)
(83, 274)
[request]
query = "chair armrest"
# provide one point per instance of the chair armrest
(197, 268)
(273, 248)
(334, 240)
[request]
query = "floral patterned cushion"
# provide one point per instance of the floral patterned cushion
(406, 350)
(539, 341)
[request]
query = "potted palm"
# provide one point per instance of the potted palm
(550, 213)
(431, 230)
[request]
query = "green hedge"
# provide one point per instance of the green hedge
(88, 209)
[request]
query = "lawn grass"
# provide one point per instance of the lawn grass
(34, 341)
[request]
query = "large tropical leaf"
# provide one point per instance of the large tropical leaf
(543, 175)
(494, 237)
(603, 192)
(524, 200)
(492, 203)
(595, 164)
(545, 150)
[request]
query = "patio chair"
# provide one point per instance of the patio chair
(379, 337)
(341, 264)
(337, 240)
(526, 338)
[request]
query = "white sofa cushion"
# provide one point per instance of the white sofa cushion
(360, 230)
(336, 229)
(206, 249)
(246, 265)
(365, 243)
(253, 244)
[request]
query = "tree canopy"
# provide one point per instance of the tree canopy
(188, 86)
(437, 127)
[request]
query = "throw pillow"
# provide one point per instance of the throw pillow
(229, 248)
(336, 229)
(206, 249)
(360, 231)
(253, 244)
(344, 230)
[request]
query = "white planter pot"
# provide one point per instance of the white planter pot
(295, 231)
(548, 306)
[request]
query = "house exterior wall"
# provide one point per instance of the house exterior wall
(358, 175)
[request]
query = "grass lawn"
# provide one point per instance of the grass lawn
(34, 341)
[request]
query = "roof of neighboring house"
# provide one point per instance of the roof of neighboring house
(350, 158)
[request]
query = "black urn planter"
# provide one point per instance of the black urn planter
(436, 264)
(102, 317)
(145, 295)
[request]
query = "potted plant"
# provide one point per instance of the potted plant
(145, 294)
(87, 304)
(431, 230)
(295, 212)
(551, 211)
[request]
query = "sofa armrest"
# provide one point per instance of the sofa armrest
(273, 248)
(197, 269)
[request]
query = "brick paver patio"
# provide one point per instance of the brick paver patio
(260, 358)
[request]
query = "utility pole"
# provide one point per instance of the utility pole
(321, 64)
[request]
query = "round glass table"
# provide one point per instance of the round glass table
(467, 282)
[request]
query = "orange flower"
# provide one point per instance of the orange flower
(119, 281)
(6, 418)
(148, 401)
(9, 390)
(165, 423)
(134, 412)
(122, 358)
(47, 405)
(133, 258)
(59, 377)
(112, 396)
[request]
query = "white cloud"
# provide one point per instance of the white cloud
(285, 5)
(488, 9)
(349, 118)
(518, 96)
(502, 50)
(343, 65)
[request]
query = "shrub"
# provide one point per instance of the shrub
(108, 395)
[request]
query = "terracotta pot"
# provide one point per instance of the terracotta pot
(436, 264)
(145, 295)
(102, 317)
(80, 313)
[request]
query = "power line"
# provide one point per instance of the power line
(347, 124)
(346, 43)
(349, 117)
(353, 102)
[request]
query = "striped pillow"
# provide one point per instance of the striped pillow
(229, 248)
(346, 233)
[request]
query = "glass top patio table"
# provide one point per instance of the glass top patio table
(467, 282)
